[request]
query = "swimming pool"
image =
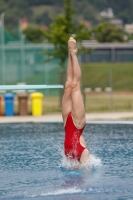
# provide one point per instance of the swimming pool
(32, 165)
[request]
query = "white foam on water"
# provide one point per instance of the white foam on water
(63, 191)
(59, 192)
(92, 161)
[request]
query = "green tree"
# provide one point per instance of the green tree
(60, 31)
(58, 34)
(108, 32)
(34, 34)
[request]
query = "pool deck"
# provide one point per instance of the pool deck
(90, 117)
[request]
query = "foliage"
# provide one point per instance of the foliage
(34, 34)
(41, 2)
(14, 10)
(108, 32)
(58, 36)
(60, 31)
(86, 10)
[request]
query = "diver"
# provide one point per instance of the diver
(73, 111)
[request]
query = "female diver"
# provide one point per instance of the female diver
(73, 111)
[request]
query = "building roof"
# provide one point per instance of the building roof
(95, 44)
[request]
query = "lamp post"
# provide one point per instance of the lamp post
(3, 49)
(22, 71)
(111, 86)
(0, 50)
(20, 28)
(46, 66)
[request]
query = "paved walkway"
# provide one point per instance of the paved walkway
(58, 117)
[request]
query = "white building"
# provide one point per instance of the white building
(107, 13)
(129, 28)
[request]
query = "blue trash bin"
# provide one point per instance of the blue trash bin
(9, 104)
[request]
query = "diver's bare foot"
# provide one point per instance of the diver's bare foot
(72, 46)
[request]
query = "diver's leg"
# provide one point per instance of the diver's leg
(84, 157)
(78, 111)
(66, 100)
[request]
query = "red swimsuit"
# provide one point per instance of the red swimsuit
(72, 146)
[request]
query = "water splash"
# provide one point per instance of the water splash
(94, 161)
(91, 162)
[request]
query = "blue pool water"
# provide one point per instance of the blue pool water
(32, 165)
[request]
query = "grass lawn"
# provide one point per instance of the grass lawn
(104, 102)
(98, 75)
